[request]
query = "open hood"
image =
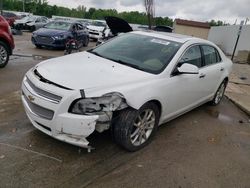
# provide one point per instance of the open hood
(117, 25)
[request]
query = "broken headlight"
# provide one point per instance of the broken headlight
(107, 103)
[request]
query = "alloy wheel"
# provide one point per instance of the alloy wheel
(3, 55)
(219, 93)
(142, 127)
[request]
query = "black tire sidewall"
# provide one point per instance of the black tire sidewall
(38, 46)
(124, 126)
(8, 55)
(87, 42)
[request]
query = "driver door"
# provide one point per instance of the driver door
(184, 91)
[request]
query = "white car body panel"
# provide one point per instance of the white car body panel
(98, 76)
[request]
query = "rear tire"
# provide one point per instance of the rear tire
(219, 94)
(134, 129)
(4, 54)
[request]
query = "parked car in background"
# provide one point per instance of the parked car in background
(130, 84)
(162, 28)
(96, 29)
(115, 27)
(10, 17)
(31, 23)
(6, 42)
(55, 34)
(84, 22)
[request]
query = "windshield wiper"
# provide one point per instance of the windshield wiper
(127, 64)
(95, 53)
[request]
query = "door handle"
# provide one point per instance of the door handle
(221, 69)
(202, 75)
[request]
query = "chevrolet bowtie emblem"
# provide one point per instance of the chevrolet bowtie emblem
(31, 98)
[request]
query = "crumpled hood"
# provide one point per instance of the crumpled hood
(95, 28)
(85, 71)
(50, 32)
(118, 25)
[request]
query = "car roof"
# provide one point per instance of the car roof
(170, 36)
(67, 21)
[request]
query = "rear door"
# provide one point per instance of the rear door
(212, 69)
(80, 33)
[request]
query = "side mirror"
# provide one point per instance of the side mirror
(187, 68)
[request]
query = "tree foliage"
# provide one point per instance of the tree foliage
(217, 23)
(41, 7)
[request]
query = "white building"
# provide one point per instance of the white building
(226, 36)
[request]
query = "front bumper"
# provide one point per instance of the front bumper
(95, 34)
(48, 41)
(51, 116)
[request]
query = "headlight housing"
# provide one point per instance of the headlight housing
(107, 103)
(58, 37)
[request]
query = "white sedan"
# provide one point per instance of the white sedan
(130, 85)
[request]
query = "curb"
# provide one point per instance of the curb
(238, 104)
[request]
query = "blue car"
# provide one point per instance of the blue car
(56, 34)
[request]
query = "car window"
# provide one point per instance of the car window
(59, 25)
(147, 53)
(211, 55)
(218, 56)
(44, 20)
(74, 27)
(38, 20)
(192, 56)
(8, 14)
(80, 27)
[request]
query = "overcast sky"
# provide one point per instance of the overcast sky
(225, 10)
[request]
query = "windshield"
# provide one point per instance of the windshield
(58, 25)
(142, 52)
(97, 23)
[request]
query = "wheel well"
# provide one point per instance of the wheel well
(226, 79)
(158, 104)
(7, 44)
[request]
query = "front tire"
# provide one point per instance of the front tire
(86, 42)
(4, 54)
(134, 129)
(219, 93)
(38, 46)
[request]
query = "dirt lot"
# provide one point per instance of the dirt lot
(207, 147)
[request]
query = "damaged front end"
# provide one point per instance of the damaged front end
(103, 107)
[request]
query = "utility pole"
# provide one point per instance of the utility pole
(23, 5)
(238, 37)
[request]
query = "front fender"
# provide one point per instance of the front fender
(136, 94)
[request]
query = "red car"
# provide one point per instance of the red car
(6, 42)
(10, 17)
